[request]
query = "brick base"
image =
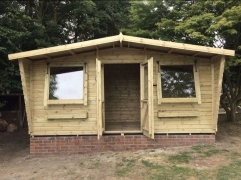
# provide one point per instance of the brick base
(89, 144)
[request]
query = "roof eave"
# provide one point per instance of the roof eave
(121, 38)
(179, 46)
(61, 48)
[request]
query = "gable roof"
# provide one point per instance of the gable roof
(121, 41)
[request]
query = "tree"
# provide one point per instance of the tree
(229, 28)
(143, 18)
(217, 24)
(12, 32)
(33, 24)
(209, 23)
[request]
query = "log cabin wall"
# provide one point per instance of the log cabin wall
(202, 121)
(44, 126)
(217, 67)
(122, 97)
(41, 125)
(25, 67)
(184, 122)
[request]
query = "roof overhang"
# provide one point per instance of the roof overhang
(121, 41)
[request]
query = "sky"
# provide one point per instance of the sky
(70, 85)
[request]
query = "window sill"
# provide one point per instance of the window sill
(174, 114)
(179, 100)
(53, 102)
(69, 116)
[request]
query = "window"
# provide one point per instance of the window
(178, 83)
(66, 84)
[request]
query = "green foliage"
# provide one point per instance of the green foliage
(209, 23)
(217, 24)
(10, 40)
(32, 24)
(143, 18)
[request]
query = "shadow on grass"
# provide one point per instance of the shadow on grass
(11, 144)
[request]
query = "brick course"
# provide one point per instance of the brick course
(89, 144)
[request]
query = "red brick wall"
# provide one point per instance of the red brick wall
(88, 144)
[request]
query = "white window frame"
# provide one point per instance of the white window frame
(197, 99)
(48, 101)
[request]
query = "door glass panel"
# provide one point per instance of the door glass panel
(146, 82)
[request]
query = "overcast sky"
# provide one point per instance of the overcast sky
(70, 85)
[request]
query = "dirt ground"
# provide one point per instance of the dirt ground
(16, 163)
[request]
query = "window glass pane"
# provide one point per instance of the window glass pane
(177, 81)
(66, 83)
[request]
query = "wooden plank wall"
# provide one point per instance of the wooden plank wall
(25, 67)
(44, 126)
(201, 123)
(122, 97)
(198, 124)
(122, 55)
(217, 68)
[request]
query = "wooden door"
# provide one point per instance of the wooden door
(100, 98)
(147, 115)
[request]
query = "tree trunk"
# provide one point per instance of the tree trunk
(231, 115)
(39, 6)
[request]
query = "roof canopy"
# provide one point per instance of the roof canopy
(121, 41)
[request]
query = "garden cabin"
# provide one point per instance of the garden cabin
(122, 85)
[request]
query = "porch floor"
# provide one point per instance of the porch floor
(123, 126)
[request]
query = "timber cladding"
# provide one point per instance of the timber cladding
(121, 79)
(89, 144)
(127, 85)
(192, 117)
(122, 96)
(84, 121)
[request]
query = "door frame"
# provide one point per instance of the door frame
(100, 97)
(146, 128)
